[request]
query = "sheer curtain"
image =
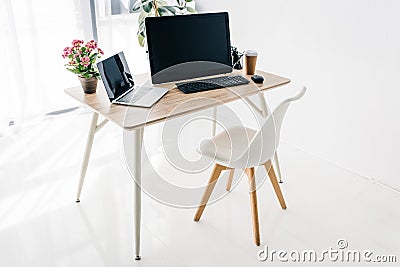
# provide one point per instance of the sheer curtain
(117, 28)
(33, 34)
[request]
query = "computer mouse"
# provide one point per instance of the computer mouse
(257, 78)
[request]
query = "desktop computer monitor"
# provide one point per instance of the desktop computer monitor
(200, 40)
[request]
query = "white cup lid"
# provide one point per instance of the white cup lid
(251, 53)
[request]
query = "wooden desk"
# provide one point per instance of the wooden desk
(134, 119)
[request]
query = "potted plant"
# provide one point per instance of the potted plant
(158, 8)
(81, 58)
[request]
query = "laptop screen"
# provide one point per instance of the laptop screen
(116, 76)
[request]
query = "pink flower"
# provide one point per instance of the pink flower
(77, 43)
(80, 56)
(66, 52)
(85, 61)
(91, 45)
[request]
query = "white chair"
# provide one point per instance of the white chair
(244, 148)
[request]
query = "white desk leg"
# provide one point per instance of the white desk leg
(214, 122)
(89, 143)
(137, 208)
(263, 105)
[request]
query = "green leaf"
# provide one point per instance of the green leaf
(161, 3)
(171, 9)
(191, 10)
(143, 15)
(147, 1)
(188, 1)
(141, 27)
(93, 55)
(137, 6)
(141, 38)
(164, 11)
(74, 70)
(87, 75)
(148, 6)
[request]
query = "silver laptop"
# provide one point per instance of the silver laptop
(120, 87)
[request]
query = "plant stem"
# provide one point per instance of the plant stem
(155, 7)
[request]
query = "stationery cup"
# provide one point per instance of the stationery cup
(250, 61)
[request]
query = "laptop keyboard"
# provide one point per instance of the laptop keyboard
(134, 95)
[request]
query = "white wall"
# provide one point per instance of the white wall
(348, 53)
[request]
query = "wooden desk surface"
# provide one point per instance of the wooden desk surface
(173, 104)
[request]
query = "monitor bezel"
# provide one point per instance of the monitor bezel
(157, 79)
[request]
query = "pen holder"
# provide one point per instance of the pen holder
(237, 58)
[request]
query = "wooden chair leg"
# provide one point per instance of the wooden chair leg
(275, 183)
(230, 179)
(278, 167)
(253, 199)
(210, 187)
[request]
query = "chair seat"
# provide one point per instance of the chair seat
(229, 145)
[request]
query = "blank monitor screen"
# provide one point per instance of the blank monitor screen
(202, 38)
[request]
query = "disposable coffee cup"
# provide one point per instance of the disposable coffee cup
(251, 61)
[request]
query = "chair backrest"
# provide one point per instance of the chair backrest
(263, 146)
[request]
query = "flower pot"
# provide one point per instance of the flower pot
(88, 85)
